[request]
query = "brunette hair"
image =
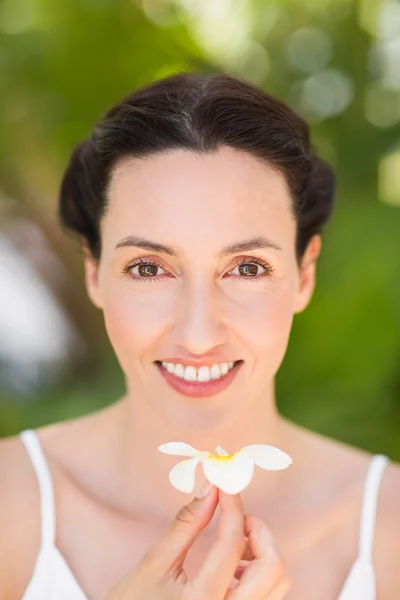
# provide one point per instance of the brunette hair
(200, 113)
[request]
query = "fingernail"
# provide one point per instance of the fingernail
(204, 491)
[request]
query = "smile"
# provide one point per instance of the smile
(202, 382)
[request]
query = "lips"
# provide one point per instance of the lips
(198, 389)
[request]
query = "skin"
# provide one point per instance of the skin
(112, 489)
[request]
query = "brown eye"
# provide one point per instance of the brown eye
(248, 269)
(254, 268)
(147, 270)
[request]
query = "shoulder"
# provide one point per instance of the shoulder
(387, 534)
(19, 517)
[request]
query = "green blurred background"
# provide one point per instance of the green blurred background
(337, 62)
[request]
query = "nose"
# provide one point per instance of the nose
(198, 326)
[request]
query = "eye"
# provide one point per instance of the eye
(146, 270)
(249, 268)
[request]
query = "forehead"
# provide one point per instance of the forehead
(226, 194)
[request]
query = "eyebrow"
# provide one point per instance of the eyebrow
(245, 246)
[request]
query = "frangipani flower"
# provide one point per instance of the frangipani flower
(231, 474)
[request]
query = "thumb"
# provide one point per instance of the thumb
(170, 550)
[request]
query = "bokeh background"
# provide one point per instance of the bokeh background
(336, 62)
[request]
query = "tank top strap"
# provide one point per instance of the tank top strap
(369, 504)
(46, 491)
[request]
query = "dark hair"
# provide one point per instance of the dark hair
(201, 114)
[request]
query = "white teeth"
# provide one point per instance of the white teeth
(215, 372)
(190, 374)
(177, 369)
(204, 373)
(224, 368)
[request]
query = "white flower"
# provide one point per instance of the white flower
(231, 474)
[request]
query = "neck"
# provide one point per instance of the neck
(143, 470)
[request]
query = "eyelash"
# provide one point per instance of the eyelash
(154, 279)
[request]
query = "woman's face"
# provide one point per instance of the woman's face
(199, 303)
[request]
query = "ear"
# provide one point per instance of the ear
(91, 266)
(307, 274)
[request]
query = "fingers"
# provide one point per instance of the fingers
(265, 577)
(280, 590)
(220, 564)
(260, 539)
(166, 557)
(248, 553)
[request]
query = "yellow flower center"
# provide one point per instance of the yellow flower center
(219, 458)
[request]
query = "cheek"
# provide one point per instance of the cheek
(269, 320)
(263, 321)
(271, 327)
(135, 320)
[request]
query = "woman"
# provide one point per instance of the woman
(199, 203)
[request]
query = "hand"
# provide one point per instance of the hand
(160, 574)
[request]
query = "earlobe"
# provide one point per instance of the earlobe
(92, 281)
(307, 274)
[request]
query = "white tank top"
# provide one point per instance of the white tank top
(52, 578)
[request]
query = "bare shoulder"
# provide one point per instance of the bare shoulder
(19, 517)
(387, 536)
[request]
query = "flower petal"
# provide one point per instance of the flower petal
(231, 475)
(221, 452)
(268, 457)
(183, 475)
(178, 449)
